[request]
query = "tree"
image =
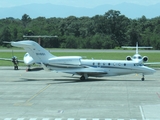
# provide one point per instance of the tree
(25, 19)
(5, 36)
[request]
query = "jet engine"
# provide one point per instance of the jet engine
(66, 61)
(128, 58)
(145, 59)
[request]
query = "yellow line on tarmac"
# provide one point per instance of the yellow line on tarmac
(27, 103)
(38, 93)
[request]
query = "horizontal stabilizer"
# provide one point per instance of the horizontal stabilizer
(136, 47)
(6, 42)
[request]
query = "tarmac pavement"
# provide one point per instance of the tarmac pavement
(41, 95)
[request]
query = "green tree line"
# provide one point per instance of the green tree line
(106, 31)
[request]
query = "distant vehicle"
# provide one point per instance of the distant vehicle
(83, 67)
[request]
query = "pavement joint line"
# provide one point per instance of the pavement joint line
(158, 95)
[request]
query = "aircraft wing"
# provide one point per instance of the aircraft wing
(76, 70)
(152, 63)
(8, 59)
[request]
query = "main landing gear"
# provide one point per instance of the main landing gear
(84, 77)
(29, 68)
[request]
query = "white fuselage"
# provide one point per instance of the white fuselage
(108, 67)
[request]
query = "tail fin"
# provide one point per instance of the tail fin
(39, 54)
(136, 47)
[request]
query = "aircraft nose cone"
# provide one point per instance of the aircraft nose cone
(150, 70)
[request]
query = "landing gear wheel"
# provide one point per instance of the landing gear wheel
(82, 78)
(143, 77)
(29, 68)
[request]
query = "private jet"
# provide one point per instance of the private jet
(137, 57)
(76, 65)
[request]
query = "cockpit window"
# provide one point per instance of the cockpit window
(139, 57)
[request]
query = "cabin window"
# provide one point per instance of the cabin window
(93, 63)
(109, 64)
(103, 63)
(124, 64)
(98, 64)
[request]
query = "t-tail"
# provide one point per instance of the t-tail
(39, 54)
(136, 47)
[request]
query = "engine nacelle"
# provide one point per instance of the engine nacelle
(66, 61)
(145, 59)
(128, 58)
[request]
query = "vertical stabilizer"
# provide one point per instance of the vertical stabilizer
(136, 47)
(38, 53)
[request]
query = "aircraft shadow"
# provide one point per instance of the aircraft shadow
(35, 69)
(59, 81)
(76, 80)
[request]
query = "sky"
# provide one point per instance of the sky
(76, 3)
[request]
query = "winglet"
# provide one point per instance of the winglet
(44, 67)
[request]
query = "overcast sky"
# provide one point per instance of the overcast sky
(76, 3)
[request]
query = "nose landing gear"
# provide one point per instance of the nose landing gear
(143, 77)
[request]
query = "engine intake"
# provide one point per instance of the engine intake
(145, 59)
(128, 58)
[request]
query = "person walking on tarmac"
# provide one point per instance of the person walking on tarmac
(15, 62)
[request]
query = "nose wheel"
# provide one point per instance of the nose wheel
(143, 77)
